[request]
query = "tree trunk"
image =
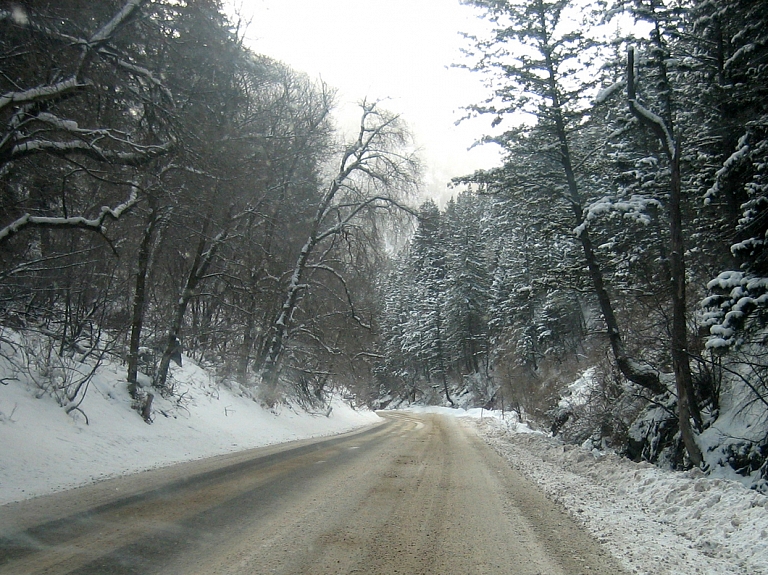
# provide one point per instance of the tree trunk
(281, 326)
(248, 342)
(172, 345)
(634, 372)
(198, 270)
(441, 359)
(686, 400)
(139, 301)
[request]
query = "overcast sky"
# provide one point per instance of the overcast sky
(400, 50)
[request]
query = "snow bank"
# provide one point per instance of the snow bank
(508, 420)
(652, 520)
(44, 450)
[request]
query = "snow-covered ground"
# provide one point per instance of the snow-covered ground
(653, 521)
(43, 450)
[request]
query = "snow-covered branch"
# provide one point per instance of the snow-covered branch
(635, 209)
(106, 31)
(145, 73)
(92, 224)
(606, 93)
(651, 120)
(734, 161)
(656, 123)
(22, 135)
(41, 93)
(139, 156)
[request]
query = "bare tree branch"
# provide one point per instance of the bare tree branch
(347, 293)
(93, 224)
(42, 93)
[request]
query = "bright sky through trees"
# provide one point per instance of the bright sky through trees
(400, 50)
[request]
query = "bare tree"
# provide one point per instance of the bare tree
(374, 172)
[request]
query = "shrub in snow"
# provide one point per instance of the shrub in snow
(41, 358)
(735, 445)
(598, 408)
(654, 435)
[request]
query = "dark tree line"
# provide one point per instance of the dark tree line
(164, 189)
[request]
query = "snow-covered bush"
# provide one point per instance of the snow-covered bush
(654, 435)
(599, 407)
(735, 444)
(35, 356)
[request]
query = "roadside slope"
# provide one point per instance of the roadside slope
(44, 450)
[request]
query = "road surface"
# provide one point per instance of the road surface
(419, 494)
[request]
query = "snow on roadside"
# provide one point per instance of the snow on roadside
(652, 520)
(43, 450)
(509, 419)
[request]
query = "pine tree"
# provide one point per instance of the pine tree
(431, 268)
(467, 284)
(541, 71)
(734, 47)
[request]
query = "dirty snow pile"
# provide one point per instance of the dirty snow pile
(652, 520)
(43, 450)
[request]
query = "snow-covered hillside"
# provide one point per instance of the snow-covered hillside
(42, 449)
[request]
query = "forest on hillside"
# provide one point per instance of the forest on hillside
(165, 189)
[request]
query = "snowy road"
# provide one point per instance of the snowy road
(419, 494)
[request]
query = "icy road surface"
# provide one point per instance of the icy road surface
(420, 494)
